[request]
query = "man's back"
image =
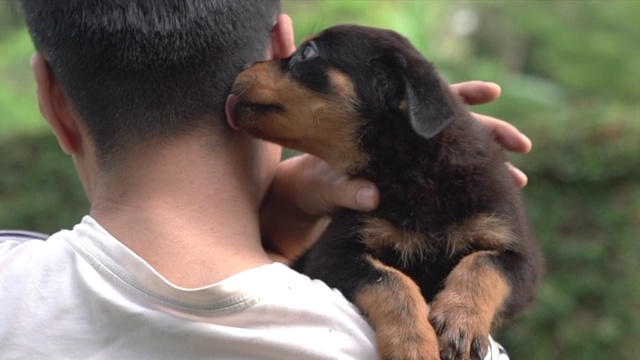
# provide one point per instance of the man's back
(82, 294)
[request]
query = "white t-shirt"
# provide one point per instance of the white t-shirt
(82, 294)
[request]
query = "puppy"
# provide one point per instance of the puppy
(449, 254)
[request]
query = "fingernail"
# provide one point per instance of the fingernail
(519, 175)
(524, 179)
(528, 141)
(366, 198)
(490, 83)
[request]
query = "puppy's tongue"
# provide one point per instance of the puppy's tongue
(229, 108)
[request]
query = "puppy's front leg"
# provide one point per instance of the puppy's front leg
(399, 314)
(465, 310)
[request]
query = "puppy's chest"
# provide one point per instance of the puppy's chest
(415, 240)
(383, 238)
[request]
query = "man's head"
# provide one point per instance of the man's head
(139, 70)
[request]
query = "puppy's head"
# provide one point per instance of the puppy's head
(335, 88)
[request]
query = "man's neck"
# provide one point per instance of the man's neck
(187, 209)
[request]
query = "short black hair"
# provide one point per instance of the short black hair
(139, 69)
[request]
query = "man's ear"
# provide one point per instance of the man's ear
(428, 106)
(282, 38)
(55, 107)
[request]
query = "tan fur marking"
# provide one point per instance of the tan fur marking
(404, 105)
(343, 86)
(399, 314)
(468, 306)
(379, 234)
(321, 125)
(483, 231)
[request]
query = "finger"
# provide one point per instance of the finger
(367, 198)
(519, 176)
(477, 92)
(507, 135)
(283, 43)
(331, 190)
(359, 195)
(354, 194)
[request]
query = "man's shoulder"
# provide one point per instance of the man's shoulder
(13, 239)
(29, 251)
(21, 235)
(288, 291)
(296, 308)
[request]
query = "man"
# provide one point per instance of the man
(169, 263)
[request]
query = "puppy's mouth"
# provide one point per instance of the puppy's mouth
(237, 108)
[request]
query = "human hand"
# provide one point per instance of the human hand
(305, 190)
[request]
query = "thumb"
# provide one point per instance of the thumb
(317, 189)
(354, 194)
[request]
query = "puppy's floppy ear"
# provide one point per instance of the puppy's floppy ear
(428, 107)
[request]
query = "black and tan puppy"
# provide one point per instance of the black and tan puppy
(450, 232)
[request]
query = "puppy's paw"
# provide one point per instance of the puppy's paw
(462, 334)
(397, 341)
(424, 351)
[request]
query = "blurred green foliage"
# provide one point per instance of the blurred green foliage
(571, 81)
(39, 189)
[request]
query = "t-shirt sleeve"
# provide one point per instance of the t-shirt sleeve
(9, 239)
(21, 235)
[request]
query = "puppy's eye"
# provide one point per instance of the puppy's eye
(309, 51)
